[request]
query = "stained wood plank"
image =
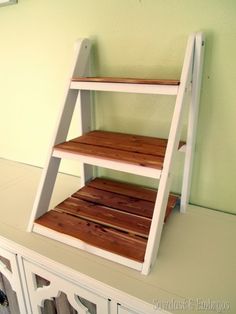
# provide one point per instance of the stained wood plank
(132, 190)
(123, 188)
(124, 203)
(133, 149)
(131, 139)
(106, 216)
(105, 153)
(95, 234)
(125, 142)
(127, 80)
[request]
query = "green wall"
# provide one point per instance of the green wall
(134, 38)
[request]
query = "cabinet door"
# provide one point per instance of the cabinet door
(50, 293)
(12, 299)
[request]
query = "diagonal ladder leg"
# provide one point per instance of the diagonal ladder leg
(44, 193)
(172, 147)
(192, 120)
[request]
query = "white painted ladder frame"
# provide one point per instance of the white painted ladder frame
(80, 67)
(190, 79)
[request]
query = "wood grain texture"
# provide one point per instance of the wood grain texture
(126, 80)
(111, 215)
(106, 216)
(95, 234)
(107, 153)
(126, 142)
(131, 149)
(135, 191)
(121, 202)
(123, 188)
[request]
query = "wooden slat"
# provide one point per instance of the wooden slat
(106, 216)
(155, 141)
(132, 190)
(126, 80)
(95, 234)
(125, 142)
(131, 149)
(143, 160)
(132, 139)
(111, 215)
(124, 203)
(125, 189)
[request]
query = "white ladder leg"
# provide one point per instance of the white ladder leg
(87, 172)
(171, 151)
(192, 120)
(50, 171)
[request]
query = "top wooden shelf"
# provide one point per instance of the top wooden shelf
(127, 85)
(126, 80)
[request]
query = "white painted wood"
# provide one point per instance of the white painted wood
(59, 284)
(78, 93)
(124, 310)
(126, 88)
(115, 165)
(79, 68)
(86, 124)
(128, 310)
(84, 246)
(193, 118)
(13, 277)
(171, 150)
(24, 282)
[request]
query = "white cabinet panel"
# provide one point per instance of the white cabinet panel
(10, 284)
(49, 292)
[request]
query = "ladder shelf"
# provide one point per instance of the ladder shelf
(128, 85)
(107, 214)
(116, 220)
(136, 154)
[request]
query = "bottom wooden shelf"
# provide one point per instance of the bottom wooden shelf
(107, 214)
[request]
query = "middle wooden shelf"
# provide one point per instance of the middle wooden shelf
(136, 154)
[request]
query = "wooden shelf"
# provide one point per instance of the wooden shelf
(126, 80)
(127, 85)
(110, 215)
(133, 153)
